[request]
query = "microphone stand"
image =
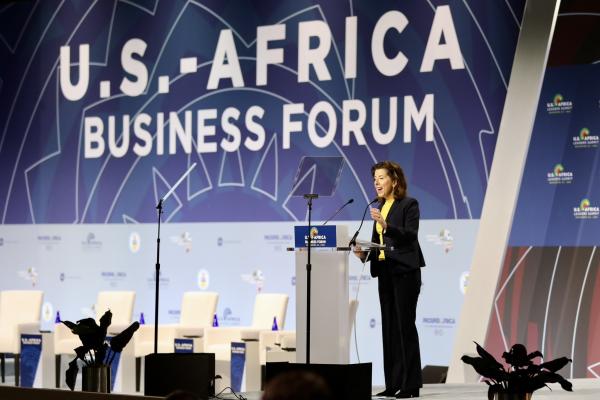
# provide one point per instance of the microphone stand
(309, 197)
(338, 211)
(159, 207)
(353, 240)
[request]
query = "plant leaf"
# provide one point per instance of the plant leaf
(91, 335)
(487, 356)
(517, 356)
(69, 324)
(492, 370)
(106, 320)
(551, 377)
(81, 351)
(535, 354)
(71, 374)
(555, 365)
(118, 343)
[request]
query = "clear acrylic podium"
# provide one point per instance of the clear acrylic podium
(330, 298)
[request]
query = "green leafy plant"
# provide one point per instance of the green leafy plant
(96, 350)
(522, 375)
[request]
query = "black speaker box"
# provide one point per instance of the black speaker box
(192, 372)
(346, 381)
(435, 374)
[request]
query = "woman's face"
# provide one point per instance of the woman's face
(384, 186)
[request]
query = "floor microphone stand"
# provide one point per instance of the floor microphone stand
(159, 207)
(310, 198)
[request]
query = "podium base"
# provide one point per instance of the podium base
(346, 381)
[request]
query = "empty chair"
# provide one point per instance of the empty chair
(281, 346)
(120, 303)
(19, 310)
(267, 306)
(197, 312)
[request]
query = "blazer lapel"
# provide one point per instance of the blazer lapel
(393, 208)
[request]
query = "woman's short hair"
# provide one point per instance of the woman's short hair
(396, 173)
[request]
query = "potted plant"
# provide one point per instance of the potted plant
(522, 377)
(96, 352)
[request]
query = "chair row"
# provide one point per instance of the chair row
(196, 320)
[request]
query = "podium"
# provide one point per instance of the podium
(330, 314)
(330, 300)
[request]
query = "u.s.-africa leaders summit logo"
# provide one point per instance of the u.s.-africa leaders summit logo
(559, 175)
(586, 210)
(559, 105)
(585, 139)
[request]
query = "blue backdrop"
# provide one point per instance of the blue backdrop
(74, 223)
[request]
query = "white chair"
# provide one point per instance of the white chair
(267, 306)
(19, 311)
(281, 346)
(121, 306)
(197, 312)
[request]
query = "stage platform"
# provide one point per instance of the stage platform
(584, 389)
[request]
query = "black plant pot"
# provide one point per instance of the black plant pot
(512, 396)
(96, 379)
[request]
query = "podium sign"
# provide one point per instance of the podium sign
(321, 236)
(31, 352)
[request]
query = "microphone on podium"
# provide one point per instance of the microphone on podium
(338, 210)
(353, 240)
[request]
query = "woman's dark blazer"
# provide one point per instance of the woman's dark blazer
(400, 238)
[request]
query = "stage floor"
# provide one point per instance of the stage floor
(584, 389)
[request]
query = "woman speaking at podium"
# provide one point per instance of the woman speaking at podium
(398, 267)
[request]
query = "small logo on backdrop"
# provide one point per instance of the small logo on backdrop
(135, 242)
(256, 278)
(464, 282)
(439, 324)
(443, 238)
(229, 318)
(49, 241)
(203, 279)
(586, 210)
(585, 139)
(278, 241)
(229, 241)
(163, 279)
(559, 105)
(184, 240)
(47, 312)
(30, 274)
(372, 323)
(91, 243)
(559, 176)
(113, 277)
(294, 280)
(1, 241)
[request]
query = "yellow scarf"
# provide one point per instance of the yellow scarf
(384, 213)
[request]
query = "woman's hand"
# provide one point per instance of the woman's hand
(377, 217)
(358, 252)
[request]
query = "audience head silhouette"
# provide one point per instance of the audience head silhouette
(181, 395)
(297, 385)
